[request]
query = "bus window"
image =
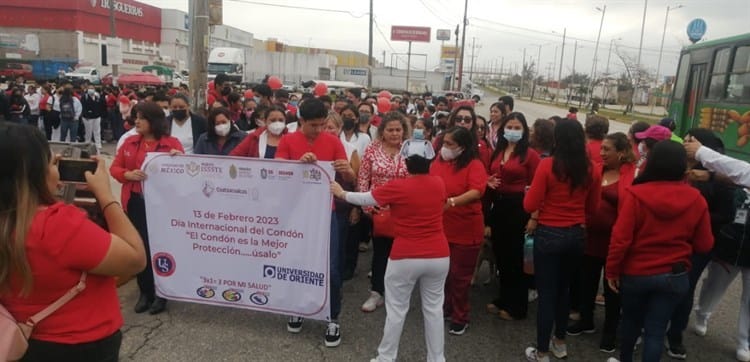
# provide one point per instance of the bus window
(739, 79)
(682, 77)
(717, 86)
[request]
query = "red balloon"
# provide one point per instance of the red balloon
(274, 82)
(320, 89)
(385, 94)
(384, 105)
(249, 94)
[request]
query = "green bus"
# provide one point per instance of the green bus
(712, 90)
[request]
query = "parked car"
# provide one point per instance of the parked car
(15, 70)
(81, 74)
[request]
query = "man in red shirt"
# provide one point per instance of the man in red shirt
(310, 144)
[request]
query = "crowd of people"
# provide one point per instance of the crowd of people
(426, 183)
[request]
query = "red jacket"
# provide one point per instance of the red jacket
(658, 224)
(249, 146)
(130, 157)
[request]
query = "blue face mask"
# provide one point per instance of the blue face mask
(293, 103)
(512, 135)
(418, 134)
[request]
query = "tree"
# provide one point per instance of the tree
(576, 78)
(635, 76)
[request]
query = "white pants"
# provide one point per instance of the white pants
(400, 277)
(93, 125)
(714, 285)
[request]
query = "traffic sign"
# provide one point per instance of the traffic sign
(696, 29)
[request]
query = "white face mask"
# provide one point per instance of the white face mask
(448, 154)
(642, 149)
(276, 128)
(223, 129)
(513, 135)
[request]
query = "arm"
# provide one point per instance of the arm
(200, 146)
(532, 202)
(118, 169)
(622, 236)
(355, 163)
(736, 170)
(356, 198)
(365, 171)
(77, 107)
(477, 182)
(595, 191)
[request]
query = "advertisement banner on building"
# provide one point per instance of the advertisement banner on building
(240, 232)
(410, 33)
(448, 52)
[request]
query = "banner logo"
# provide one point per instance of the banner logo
(164, 264)
(206, 292)
(258, 298)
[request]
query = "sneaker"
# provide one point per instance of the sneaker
(333, 334)
(574, 316)
(533, 295)
(743, 354)
(700, 326)
(612, 359)
(457, 329)
(373, 302)
(532, 356)
(676, 350)
(607, 345)
(599, 300)
(579, 327)
(558, 350)
(294, 325)
(363, 247)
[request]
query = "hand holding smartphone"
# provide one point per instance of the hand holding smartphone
(74, 170)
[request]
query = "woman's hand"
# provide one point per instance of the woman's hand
(135, 175)
(355, 216)
(175, 152)
(344, 168)
(487, 232)
(337, 190)
(698, 175)
(98, 182)
(531, 226)
(308, 157)
(493, 182)
(614, 284)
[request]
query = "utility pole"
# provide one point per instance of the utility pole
(661, 51)
(523, 73)
(199, 40)
(473, 47)
(463, 46)
(454, 79)
(638, 64)
(384, 59)
(538, 68)
(592, 84)
(573, 77)
(369, 55)
(113, 33)
(562, 58)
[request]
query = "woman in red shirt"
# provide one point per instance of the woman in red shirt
(618, 170)
(662, 222)
(465, 181)
(152, 136)
(511, 170)
(46, 245)
(263, 141)
(565, 189)
(380, 164)
(420, 251)
(596, 128)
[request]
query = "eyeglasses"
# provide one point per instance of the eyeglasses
(467, 119)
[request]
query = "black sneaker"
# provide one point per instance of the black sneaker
(676, 351)
(608, 344)
(580, 327)
(457, 329)
(333, 334)
(294, 325)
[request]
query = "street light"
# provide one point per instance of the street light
(661, 49)
(603, 9)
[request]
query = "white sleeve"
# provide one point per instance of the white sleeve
(737, 171)
(78, 107)
(360, 198)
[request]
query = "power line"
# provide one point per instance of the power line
(352, 14)
(434, 13)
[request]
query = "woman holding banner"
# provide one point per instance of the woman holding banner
(420, 250)
(151, 127)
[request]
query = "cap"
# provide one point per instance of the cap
(414, 147)
(659, 133)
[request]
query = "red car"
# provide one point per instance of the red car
(15, 70)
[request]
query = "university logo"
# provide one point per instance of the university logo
(164, 264)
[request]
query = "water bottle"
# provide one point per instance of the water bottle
(528, 254)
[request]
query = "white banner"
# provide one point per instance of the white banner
(240, 232)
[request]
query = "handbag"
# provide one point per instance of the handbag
(382, 225)
(14, 335)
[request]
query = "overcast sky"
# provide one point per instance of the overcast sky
(502, 28)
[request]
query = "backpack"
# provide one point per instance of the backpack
(14, 336)
(67, 110)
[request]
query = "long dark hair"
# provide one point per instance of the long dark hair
(570, 161)
(522, 146)
(452, 118)
(667, 161)
(463, 139)
(157, 122)
(211, 129)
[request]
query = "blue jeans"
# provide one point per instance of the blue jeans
(647, 304)
(69, 126)
(335, 268)
(681, 315)
(557, 251)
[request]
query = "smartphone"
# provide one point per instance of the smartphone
(74, 170)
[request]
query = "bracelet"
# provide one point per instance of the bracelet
(108, 205)
(452, 201)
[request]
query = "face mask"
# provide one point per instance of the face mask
(91, 92)
(276, 128)
(166, 113)
(418, 134)
(223, 129)
(257, 100)
(513, 135)
(349, 124)
(180, 114)
(364, 118)
(642, 149)
(293, 103)
(449, 154)
(428, 101)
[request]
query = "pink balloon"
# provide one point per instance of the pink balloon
(384, 104)
(320, 89)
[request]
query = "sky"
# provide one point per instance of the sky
(500, 29)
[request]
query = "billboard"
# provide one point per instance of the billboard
(443, 34)
(448, 52)
(410, 33)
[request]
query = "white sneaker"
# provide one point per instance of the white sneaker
(533, 356)
(612, 359)
(373, 302)
(700, 326)
(533, 295)
(558, 350)
(743, 354)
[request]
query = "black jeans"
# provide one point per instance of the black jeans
(104, 350)
(556, 251)
(350, 245)
(381, 250)
(591, 270)
(137, 215)
(508, 221)
(681, 314)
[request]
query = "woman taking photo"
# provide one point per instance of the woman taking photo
(151, 128)
(511, 170)
(565, 189)
(420, 250)
(263, 142)
(659, 212)
(465, 179)
(46, 245)
(221, 136)
(380, 164)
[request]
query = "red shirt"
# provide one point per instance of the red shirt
(599, 224)
(62, 242)
(326, 147)
(659, 224)
(594, 148)
(417, 212)
(131, 156)
(463, 224)
(514, 175)
(557, 205)
(250, 145)
(485, 153)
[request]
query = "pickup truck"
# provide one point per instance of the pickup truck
(81, 74)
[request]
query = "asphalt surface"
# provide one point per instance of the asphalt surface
(194, 332)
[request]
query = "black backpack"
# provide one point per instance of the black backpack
(67, 110)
